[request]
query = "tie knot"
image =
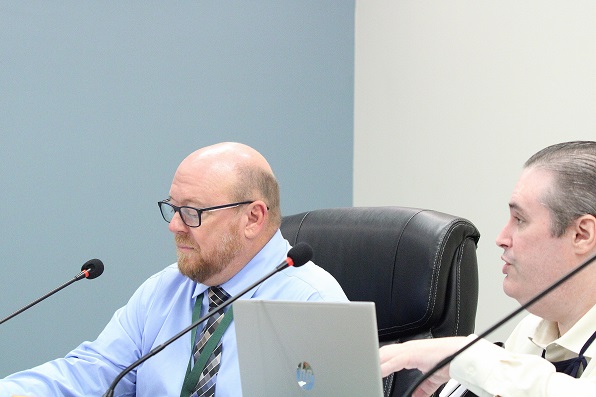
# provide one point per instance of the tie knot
(217, 296)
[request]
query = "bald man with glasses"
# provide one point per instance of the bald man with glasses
(224, 211)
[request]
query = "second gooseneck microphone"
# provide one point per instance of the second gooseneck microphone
(297, 256)
(91, 269)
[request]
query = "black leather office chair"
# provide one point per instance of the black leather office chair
(418, 266)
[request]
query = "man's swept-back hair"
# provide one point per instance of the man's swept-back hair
(255, 183)
(573, 165)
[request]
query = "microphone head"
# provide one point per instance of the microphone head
(300, 254)
(93, 268)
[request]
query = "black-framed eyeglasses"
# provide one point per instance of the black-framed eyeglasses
(191, 216)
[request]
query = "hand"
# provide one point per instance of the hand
(422, 354)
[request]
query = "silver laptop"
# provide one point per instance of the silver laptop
(314, 349)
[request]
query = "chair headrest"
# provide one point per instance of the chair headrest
(398, 257)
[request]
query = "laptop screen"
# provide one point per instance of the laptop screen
(307, 348)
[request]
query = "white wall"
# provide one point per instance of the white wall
(452, 97)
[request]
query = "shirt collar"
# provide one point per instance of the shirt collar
(546, 334)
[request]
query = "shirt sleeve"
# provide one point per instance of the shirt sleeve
(90, 368)
(488, 370)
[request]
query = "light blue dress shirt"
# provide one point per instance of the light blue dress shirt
(159, 309)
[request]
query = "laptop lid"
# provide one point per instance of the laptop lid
(315, 349)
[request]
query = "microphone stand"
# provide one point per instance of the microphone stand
(78, 277)
(91, 269)
(157, 349)
(523, 307)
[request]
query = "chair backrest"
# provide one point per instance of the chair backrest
(418, 266)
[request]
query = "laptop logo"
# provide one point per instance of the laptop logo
(305, 376)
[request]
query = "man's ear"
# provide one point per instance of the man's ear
(585, 234)
(257, 214)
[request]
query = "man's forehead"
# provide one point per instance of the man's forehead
(531, 189)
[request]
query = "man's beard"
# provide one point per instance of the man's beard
(200, 266)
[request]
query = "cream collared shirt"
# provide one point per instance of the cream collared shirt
(519, 370)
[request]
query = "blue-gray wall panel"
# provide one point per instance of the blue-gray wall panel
(99, 101)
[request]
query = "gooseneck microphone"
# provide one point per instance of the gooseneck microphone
(523, 307)
(93, 268)
(297, 256)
